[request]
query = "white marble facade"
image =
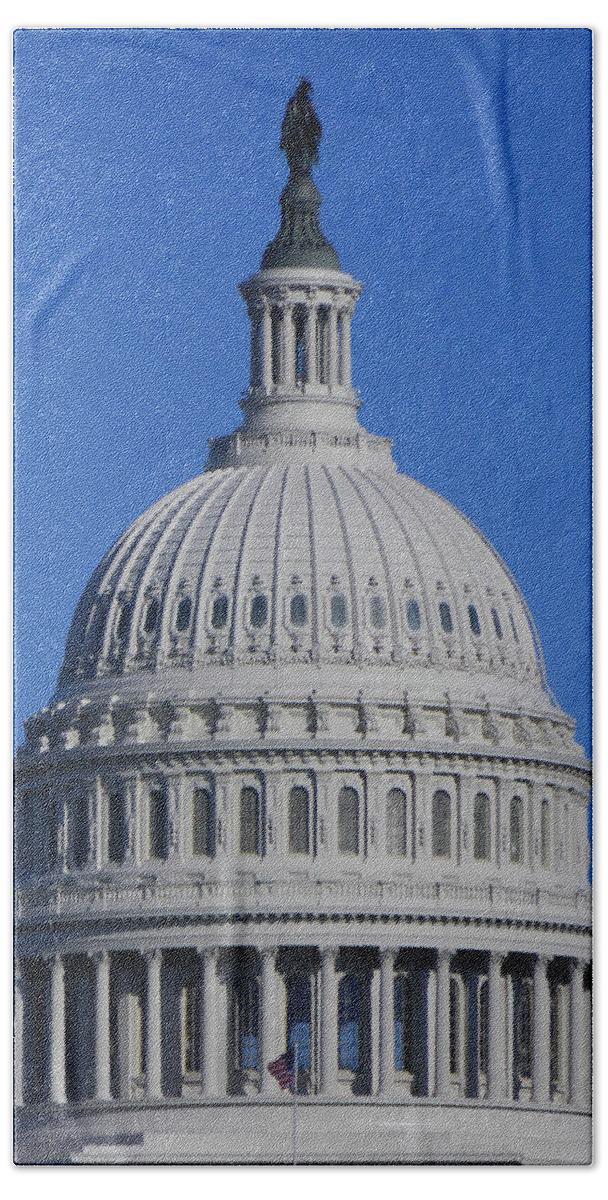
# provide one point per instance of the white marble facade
(303, 780)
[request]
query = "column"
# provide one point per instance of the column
(102, 1025)
(288, 365)
(328, 1031)
(266, 346)
(310, 343)
(57, 1032)
(387, 1021)
(346, 365)
(541, 1028)
(18, 1032)
(268, 1048)
(497, 1049)
(443, 1024)
(580, 1038)
(209, 1022)
(153, 1024)
(333, 347)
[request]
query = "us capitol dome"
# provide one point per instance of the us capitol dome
(302, 786)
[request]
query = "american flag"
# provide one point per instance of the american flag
(283, 1069)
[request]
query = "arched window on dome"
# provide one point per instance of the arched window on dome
(117, 826)
(349, 1004)
(396, 822)
(404, 1023)
(545, 834)
(496, 623)
(184, 614)
(474, 620)
(481, 826)
(338, 610)
(151, 615)
(412, 612)
(299, 820)
(516, 830)
(445, 616)
(258, 611)
(298, 610)
(250, 825)
(219, 612)
(442, 821)
(158, 822)
(203, 823)
(348, 821)
(377, 612)
(79, 832)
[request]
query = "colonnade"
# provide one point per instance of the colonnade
(466, 1043)
(297, 342)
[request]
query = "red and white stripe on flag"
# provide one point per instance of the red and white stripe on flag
(282, 1070)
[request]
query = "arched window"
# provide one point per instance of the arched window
(203, 822)
(516, 830)
(298, 609)
(412, 612)
(299, 1021)
(219, 612)
(348, 821)
(496, 622)
(396, 822)
(455, 1025)
(80, 830)
(184, 613)
(299, 821)
(151, 617)
(338, 610)
(404, 1019)
(117, 830)
(348, 1023)
(258, 612)
(158, 823)
(545, 834)
(474, 620)
(481, 826)
(441, 825)
(250, 821)
(246, 1023)
(377, 612)
(445, 616)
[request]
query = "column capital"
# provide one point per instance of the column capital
(388, 953)
(152, 957)
(98, 956)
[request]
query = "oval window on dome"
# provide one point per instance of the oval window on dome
(184, 613)
(151, 617)
(258, 613)
(445, 616)
(338, 610)
(497, 625)
(219, 612)
(377, 612)
(412, 611)
(298, 609)
(474, 620)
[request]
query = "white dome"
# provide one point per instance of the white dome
(310, 563)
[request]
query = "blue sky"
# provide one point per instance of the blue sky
(455, 176)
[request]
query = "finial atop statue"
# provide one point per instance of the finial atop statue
(301, 130)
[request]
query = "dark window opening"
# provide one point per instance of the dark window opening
(124, 620)
(246, 1019)
(348, 821)
(545, 833)
(445, 616)
(299, 322)
(80, 831)
(298, 609)
(184, 613)
(377, 612)
(323, 345)
(497, 625)
(151, 618)
(348, 1023)
(299, 821)
(258, 613)
(250, 821)
(483, 1027)
(159, 823)
(299, 1013)
(481, 826)
(203, 823)
(413, 615)
(339, 613)
(516, 830)
(191, 1028)
(396, 822)
(276, 330)
(441, 825)
(474, 620)
(219, 612)
(454, 1026)
(117, 832)
(404, 1020)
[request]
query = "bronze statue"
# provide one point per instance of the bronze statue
(301, 131)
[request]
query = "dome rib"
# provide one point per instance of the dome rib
(261, 478)
(198, 620)
(276, 602)
(356, 619)
(314, 570)
(393, 609)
